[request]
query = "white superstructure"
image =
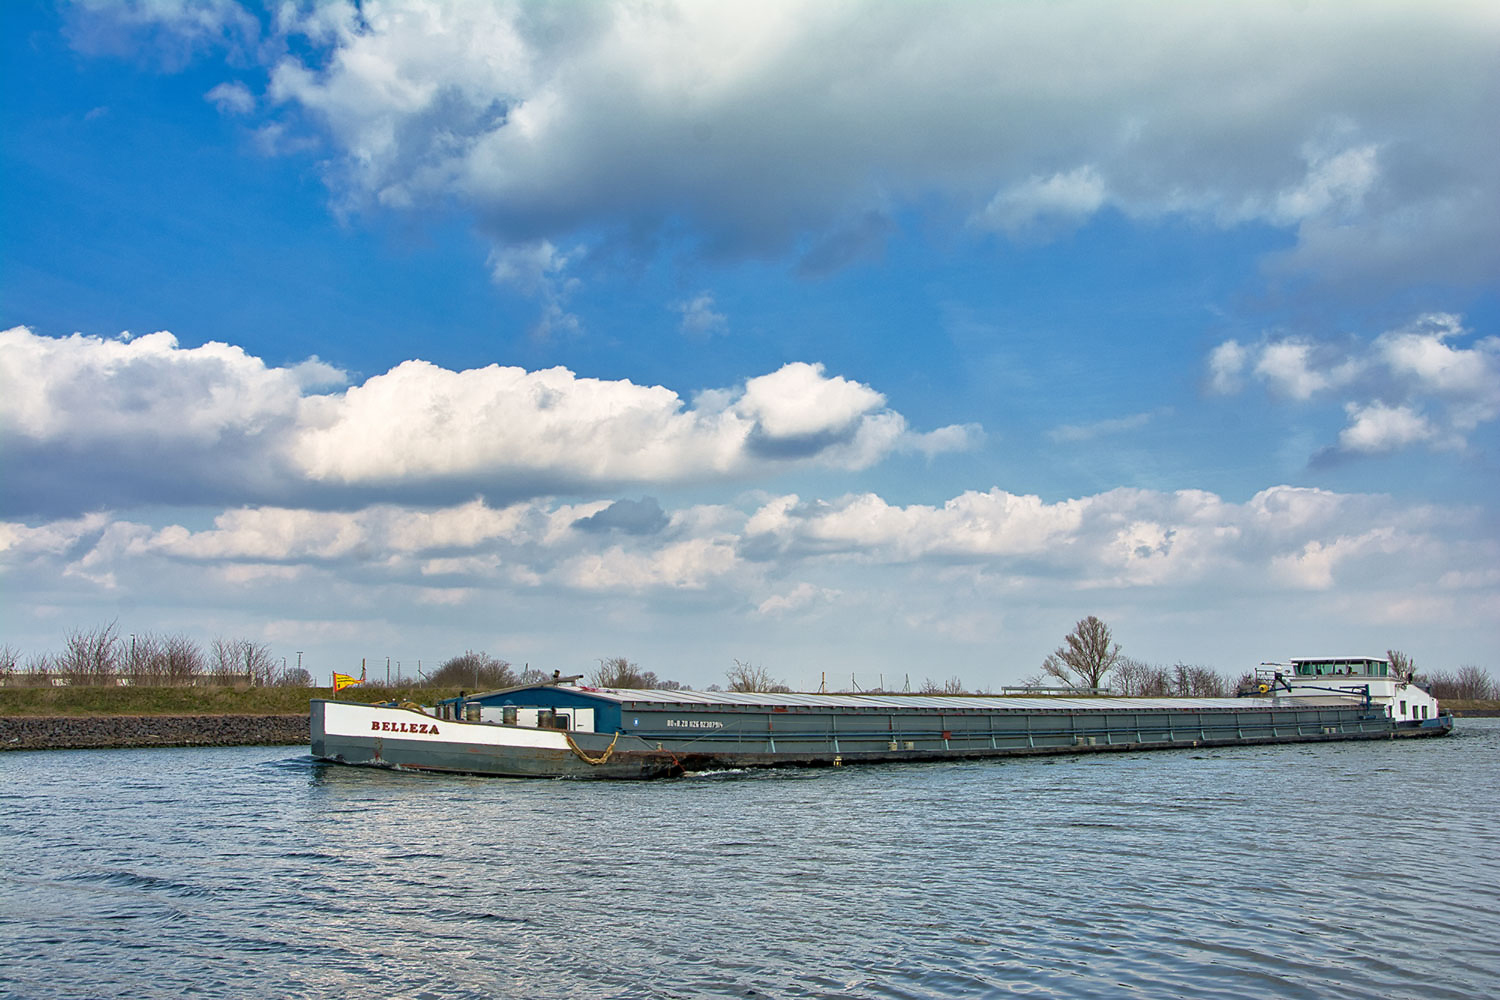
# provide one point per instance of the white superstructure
(1314, 677)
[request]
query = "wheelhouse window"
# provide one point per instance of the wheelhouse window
(1343, 667)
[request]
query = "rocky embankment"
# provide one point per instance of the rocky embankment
(95, 732)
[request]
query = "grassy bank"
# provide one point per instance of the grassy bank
(106, 701)
(1473, 707)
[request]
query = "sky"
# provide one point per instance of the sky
(865, 342)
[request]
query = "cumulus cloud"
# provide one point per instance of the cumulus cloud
(1281, 537)
(978, 581)
(1379, 428)
(1467, 379)
(90, 422)
(1288, 367)
(778, 126)
(1124, 537)
(1413, 385)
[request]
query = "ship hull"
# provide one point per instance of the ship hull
(380, 736)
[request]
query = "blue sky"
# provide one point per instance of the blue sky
(858, 338)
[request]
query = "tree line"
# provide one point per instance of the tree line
(1089, 657)
(103, 655)
(1088, 660)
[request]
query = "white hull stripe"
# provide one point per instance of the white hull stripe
(369, 722)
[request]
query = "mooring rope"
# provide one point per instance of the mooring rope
(595, 761)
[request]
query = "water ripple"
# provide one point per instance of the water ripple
(1334, 871)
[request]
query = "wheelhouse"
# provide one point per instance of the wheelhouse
(1342, 666)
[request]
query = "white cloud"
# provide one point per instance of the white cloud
(86, 390)
(1410, 386)
(171, 30)
(1335, 184)
(1313, 566)
(1467, 379)
(987, 581)
(537, 269)
(763, 127)
(801, 598)
(691, 564)
(1184, 541)
(1119, 538)
(1102, 428)
(1378, 428)
(89, 421)
(1288, 367)
(1225, 365)
(232, 97)
(798, 402)
(1046, 202)
(699, 319)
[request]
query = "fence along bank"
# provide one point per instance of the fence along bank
(562, 729)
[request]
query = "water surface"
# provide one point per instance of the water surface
(1336, 870)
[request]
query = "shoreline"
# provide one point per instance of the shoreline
(116, 732)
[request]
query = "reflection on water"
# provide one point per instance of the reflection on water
(1343, 870)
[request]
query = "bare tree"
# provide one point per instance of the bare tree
(618, 672)
(476, 670)
(532, 675)
(1139, 679)
(91, 656)
(39, 668)
(8, 660)
(1469, 683)
(1130, 676)
(1087, 654)
(182, 660)
(1196, 682)
(148, 654)
(258, 662)
(953, 685)
(223, 655)
(746, 676)
(235, 659)
(1401, 665)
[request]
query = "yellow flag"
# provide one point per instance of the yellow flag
(341, 681)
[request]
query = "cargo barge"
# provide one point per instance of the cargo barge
(564, 729)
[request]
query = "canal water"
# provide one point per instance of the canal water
(1336, 870)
